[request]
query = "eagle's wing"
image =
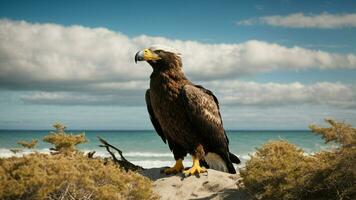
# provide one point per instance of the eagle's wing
(202, 109)
(153, 118)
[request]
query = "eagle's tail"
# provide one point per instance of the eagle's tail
(215, 161)
(234, 159)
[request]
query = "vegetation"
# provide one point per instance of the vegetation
(63, 142)
(28, 144)
(68, 174)
(280, 170)
(15, 150)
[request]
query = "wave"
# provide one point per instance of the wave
(147, 154)
(161, 163)
(133, 154)
(170, 155)
(244, 157)
(148, 159)
(5, 153)
(157, 163)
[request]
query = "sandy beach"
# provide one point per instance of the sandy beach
(211, 185)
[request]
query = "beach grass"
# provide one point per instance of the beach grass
(280, 170)
(67, 173)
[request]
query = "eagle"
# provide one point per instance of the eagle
(185, 115)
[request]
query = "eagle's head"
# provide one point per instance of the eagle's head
(160, 57)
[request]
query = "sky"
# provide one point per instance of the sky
(272, 64)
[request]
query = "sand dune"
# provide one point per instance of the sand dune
(210, 185)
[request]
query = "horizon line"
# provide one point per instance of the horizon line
(121, 130)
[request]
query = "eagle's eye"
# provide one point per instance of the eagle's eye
(158, 51)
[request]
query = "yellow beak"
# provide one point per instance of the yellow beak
(146, 55)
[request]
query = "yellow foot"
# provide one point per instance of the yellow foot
(195, 169)
(178, 167)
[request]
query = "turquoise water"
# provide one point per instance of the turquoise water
(148, 150)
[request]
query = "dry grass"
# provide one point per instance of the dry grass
(28, 144)
(280, 170)
(68, 174)
(15, 150)
(41, 176)
(64, 142)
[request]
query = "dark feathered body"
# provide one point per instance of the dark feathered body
(164, 94)
(185, 115)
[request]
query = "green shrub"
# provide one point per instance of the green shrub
(280, 170)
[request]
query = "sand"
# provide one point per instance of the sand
(210, 185)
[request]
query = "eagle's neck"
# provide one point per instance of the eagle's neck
(167, 81)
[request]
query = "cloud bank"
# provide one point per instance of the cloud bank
(40, 55)
(301, 20)
(76, 65)
(276, 94)
(229, 93)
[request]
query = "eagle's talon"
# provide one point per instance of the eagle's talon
(177, 168)
(172, 170)
(195, 169)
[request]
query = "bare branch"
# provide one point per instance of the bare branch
(123, 162)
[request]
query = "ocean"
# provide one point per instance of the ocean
(145, 148)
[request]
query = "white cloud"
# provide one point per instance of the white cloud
(129, 93)
(84, 99)
(291, 94)
(300, 20)
(283, 117)
(229, 93)
(215, 61)
(50, 52)
(76, 65)
(47, 56)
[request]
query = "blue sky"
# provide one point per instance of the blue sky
(292, 63)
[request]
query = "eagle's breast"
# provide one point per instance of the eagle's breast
(164, 101)
(164, 94)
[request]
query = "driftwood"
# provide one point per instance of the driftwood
(123, 162)
(91, 154)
